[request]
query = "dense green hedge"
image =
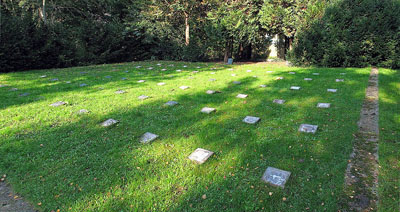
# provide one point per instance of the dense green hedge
(352, 33)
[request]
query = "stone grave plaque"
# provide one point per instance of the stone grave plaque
(212, 92)
(242, 96)
(109, 122)
(231, 69)
(178, 70)
(212, 73)
(143, 97)
(279, 101)
(2, 85)
(230, 61)
(108, 77)
(147, 137)
(237, 82)
(141, 81)
(295, 88)
(184, 87)
(339, 80)
(138, 66)
(342, 73)
(24, 94)
(208, 110)
(212, 80)
(248, 71)
(185, 66)
(83, 72)
(233, 75)
(279, 78)
(14, 89)
(163, 69)
(57, 104)
(255, 76)
(195, 72)
(53, 80)
(126, 71)
(308, 128)
(171, 103)
(270, 72)
(316, 74)
(161, 83)
(124, 78)
(83, 85)
(292, 72)
(276, 177)
(120, 92)
(83, 111)
(332, 90)
(171, 65)
(158, 64)
(43, 76)
(307, 79)
(324, 105)
(200, 155)
(198, 67)
(68, 82)
(251, 120)
(150, 68)
(263, 86)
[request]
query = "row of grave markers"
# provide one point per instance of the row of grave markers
(273, 176)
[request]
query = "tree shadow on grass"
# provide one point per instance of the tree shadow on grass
(83, 166)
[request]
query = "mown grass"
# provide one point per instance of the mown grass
(63, 160)
(389, 140)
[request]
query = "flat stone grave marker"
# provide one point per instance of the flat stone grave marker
(150, 68)
(342, 73)
(269, 72)
(198, 67)
(292, 72)
(14, 89)
(200, 155)
(233, 75)
(108, 77)
(251, 120)
(185, 66)
(171, 65)
(208, 110)
(339, 80)
(158, 64)
(83, 72)
(2, 85)
(83, 85)
(68, 82)
(43, 76)
(276, 177)
(178, 70)
(255, 76)
(143, 97)
(279, 101)
(138, 66)
(163, 69)
(242, 96)
(248, 71)
(212, 73)
(57, 104)
(195, 72)
(212, 80)
(231, 69)
(212, 92)
(184, 87)
(120, 92)
(263, 86)
(141, 81)
(308, 128)
(332, 90)
(124, 78)
(279, 78)
(54, 79)
(24, 94)
(295, 88)
(161, 83)
(323, 105)
(126, 71)
(109, 122)
(307, 79)
(147, 137)
(316, 74)
(237, 82)
(171, 103)
(83, 111)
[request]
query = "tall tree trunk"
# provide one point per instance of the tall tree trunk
(290, 43)
(44, 12)
(187, 32)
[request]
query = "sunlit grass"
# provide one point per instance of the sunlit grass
(66, 160)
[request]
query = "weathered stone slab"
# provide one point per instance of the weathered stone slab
(276, 177)
(279, 101)
(308, 128)
(43, 76)
(208, 110)
(339, 80)
(270, 72)
(150, 68)
(295, 88)
(198, 67)
(200, 155)
(185, 66)
(120, 92)
(148, 137)
(324, 105)
(316, 74)
(108, 77)
(159, 64)
(163, 69)
(212, 92)
(332, 90)
(237, 82)
(109, 122)
(212, 73)
(342, 73)
(242, 96)
(83, 111)
(171, 103)
(83, 85)
(124, 78)
(68, 82)
(161, 83)
(307, 79)
(251, 120)
(141, 81)
(126, 71)
(83, 72)
(54, 79)
(2, 85)
(14, 89)
(212, 80)
(195, 72)
(178, 70)
(263, 86)
(138, 66)
(24, 94)
(57, 104)
(292, 72)
(143, 97)
(248, 71)
(233, 75)
(255, 76)
(279, 78)
(184, 87)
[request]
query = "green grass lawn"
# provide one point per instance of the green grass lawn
(63, 160)
(389, 143)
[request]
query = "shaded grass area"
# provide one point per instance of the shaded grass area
(64, 160)
(389, 140)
